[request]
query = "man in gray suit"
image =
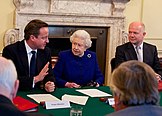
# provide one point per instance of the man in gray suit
(136, 49)
(135, 90)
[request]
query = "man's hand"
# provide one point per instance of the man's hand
(72, 85)
(50, 86)
(42, 74)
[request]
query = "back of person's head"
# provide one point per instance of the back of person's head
(134, 83)
(84, 35)
(8, 77)
(33, 27)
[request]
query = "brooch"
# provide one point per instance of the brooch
(89, 55)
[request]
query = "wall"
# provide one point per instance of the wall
(136, 10)
(148, 12)
(6, 18)
(152, 17)
(133, 12)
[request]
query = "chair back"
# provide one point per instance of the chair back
(113, 65)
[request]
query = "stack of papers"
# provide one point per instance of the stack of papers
(75, 99)
(93, 92)
(43, 97)
(51, 102)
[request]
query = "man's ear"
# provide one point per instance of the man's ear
(144, 33)
(15, 89)
(117, 105)
(32, 37)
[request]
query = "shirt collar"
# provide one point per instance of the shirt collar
(28, 49)
(141, 46)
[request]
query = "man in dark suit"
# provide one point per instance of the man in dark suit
(36, 38)
(135, 90)
(136, 49)
(8, 88)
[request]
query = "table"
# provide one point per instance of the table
(93, 107)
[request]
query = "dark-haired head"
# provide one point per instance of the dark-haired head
(33, 27)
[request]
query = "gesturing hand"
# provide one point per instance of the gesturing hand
(42, 74)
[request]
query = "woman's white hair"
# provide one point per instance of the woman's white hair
(8, 74)
(84, 35)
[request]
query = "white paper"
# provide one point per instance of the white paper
(93, 92)
(75, 99)
(43, 97)
(57, 104)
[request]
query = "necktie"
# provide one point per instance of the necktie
(32, 64)
(138, 48)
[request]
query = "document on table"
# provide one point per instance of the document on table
(43, 97)
(93, 92)
(75, 99)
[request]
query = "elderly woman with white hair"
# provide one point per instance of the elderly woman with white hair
(78, 66)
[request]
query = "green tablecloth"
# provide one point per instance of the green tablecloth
(160, 99)
(93, 107)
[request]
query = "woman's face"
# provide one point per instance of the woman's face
(78, 47)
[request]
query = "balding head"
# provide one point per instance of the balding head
(138, 25)
(8, 78)
(136, 33)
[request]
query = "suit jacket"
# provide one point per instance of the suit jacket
(81, 70)
(143, 110)
(17, 53)
(127, 52)
(8, 109)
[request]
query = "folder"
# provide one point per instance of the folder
(160, 86)
(25, 105)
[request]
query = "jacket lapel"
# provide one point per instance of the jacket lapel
(23, 56)
(145, 52)
(130, 52)
(39, 60)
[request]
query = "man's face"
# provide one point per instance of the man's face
(78, 46)
(136, 34)
(42, 39)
